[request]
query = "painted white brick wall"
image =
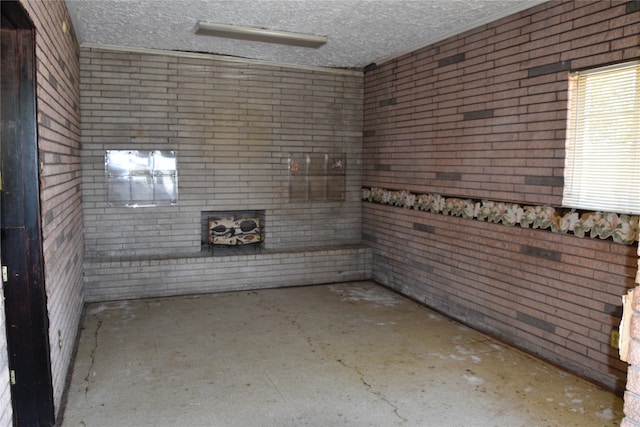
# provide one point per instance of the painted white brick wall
(234, 125)
(113, 278)
(6, 412)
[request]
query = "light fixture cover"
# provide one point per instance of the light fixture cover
(259, 35)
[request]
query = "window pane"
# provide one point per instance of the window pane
(602, 168)
(141, 178)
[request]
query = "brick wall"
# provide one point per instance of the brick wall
(6, 411)
(632, 394)
(234, 125)
(482, 115)
(135, 277)
(58, 103)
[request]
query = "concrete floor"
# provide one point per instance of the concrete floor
(352, 354)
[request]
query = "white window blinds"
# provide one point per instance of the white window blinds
(602, 164)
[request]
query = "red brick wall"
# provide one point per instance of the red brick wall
(58, 100)
(482, 115)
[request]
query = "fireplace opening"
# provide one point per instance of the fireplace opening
(230, 227)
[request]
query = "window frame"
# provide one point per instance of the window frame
(141, 178)
(603, 176)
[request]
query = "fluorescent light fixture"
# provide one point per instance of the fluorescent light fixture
(259, 35)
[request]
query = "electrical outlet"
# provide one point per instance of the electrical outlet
(614, 338)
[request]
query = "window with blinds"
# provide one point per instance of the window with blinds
(602, 164)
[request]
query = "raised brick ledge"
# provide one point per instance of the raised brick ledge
(250, 254)
(116, 278)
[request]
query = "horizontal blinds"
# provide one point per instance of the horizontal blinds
(602, 168)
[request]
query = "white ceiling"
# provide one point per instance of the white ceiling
(360, 32)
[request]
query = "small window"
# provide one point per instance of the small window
(141, 178)
(317, 177)
(602, 164)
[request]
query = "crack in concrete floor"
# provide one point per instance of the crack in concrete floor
(371, 390)
(92, 358)
(268, 358)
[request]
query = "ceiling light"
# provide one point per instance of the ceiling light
(259, 35)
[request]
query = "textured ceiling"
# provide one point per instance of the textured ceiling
(359, 32)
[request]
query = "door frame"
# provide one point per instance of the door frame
(27, 321)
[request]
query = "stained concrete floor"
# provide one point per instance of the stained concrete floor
(351, 354)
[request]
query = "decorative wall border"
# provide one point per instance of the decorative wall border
(621, 228)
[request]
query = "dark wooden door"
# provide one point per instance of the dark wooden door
(21, 242)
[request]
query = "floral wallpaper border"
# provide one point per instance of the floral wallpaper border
(621, 228)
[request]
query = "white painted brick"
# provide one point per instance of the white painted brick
(233, 139)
